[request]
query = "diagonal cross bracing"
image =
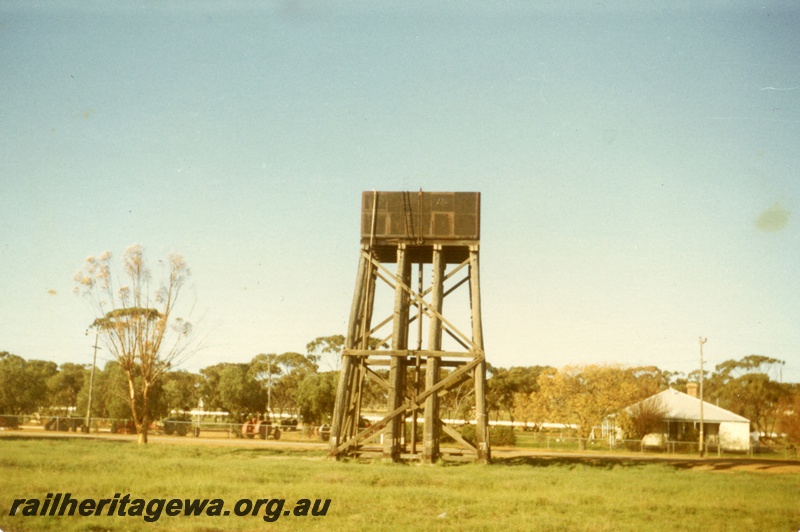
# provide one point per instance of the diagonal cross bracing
(410, 404)
(428, 309)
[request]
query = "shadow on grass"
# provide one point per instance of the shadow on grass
(65, 437)
(189, 444)
(612, 462)
(273, 451)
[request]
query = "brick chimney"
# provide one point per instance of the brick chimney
(691, 389)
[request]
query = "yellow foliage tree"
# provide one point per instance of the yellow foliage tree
(582, 396)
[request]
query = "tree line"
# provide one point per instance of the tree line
(288, 383)
(293, 384)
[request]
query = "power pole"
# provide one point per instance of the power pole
(269, 387)
(702, 440)
(91, 384)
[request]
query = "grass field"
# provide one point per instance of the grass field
(521, 493)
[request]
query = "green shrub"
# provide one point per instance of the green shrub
(503, 436)
(498, 435)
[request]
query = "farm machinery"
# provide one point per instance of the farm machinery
(261, 428)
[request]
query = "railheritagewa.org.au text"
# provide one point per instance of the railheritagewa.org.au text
(151, 510)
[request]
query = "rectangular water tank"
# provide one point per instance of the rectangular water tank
(420, 217)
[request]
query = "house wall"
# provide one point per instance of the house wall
(679, 430)
(734, 436)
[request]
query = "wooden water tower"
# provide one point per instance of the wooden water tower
(438, 232)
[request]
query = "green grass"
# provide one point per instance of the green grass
(514, 494)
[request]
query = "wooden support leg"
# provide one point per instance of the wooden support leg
(430, 452)
(344, 388)
(482, 425)
(392, 444)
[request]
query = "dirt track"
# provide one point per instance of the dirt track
(502, 456)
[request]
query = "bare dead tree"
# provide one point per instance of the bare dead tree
(136, 322)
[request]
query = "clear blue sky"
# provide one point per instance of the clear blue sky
(638, 167)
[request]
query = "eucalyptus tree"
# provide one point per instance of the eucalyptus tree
(744, 386)
(181, 390)
(281, 376)
(23, 384)
(327, 350)
(504, 384)
(135, 319)
(65, 385)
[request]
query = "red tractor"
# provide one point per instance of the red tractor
(261, 428)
